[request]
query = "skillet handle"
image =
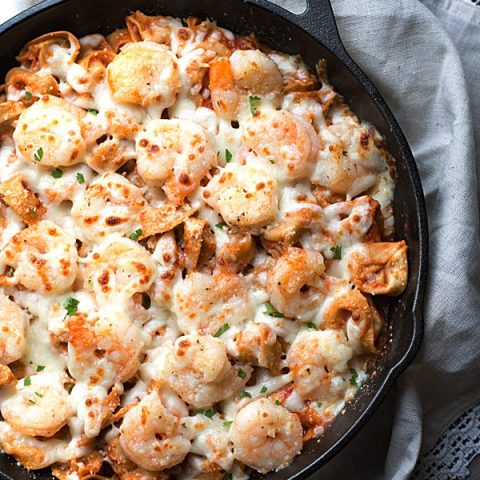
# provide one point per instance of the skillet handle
(317, 20)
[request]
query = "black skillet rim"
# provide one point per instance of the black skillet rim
(318, 17)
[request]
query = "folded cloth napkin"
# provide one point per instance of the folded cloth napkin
(407, 53)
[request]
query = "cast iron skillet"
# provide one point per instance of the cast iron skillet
(313, 34)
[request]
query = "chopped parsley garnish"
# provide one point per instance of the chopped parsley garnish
(136, 234)
(40, 368)
(354, 378)
(278, 402)
(10, 272)
(57, 173)
(263, 389)
(312, 326)
(227, 423)
(220, 225)
(337, 252)
(71, 306)
(228, 156)
(38, 394)
(184, 425)
(244, 394)
(242, 374)
(31, 401)
(252, 99)
(222, 330)
(28, 95)
(80, 178)
(209, 413)
(319, 404)
(27, 381)
(146, 301)
(38, 155)
(92, 111)
(272, 312)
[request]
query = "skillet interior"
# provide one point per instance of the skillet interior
(285, 32)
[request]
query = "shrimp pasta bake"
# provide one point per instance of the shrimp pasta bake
(194, 233)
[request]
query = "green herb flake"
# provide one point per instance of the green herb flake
(354, 378)
(10, 272)
(71, 306)
(337, 252)
(312, 326)
(278, 402)
(272, 312)
(227, 423)
(198, 412)
(220, 225)
(28, 95)
(252, 99)
(136, 234)
(209, 413)
(242, 374)
(319, 404)
(57, 173)
(38, 394)
(263, 389)
(38, 155)
(244, 394)
(92, 111)
(40, 368)
(184, 425)
(27, 381)
(31, 401)
(222, 330)
(228, 156)
(80, 178)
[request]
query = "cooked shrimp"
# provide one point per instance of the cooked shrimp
(266, 436)
(348, 223)
(40, 407)
(203, 302)
(32, 452)
(200, 372)
(176, 155)
(350, 160)
(233, 79)
(144, 73)
(49, 134)
(285, 139)
(44, 258)
(294, 283)
(103, 348)
(151, 436)
(110, 205)
(255, 72)
(122, 267)
(315, 358)
(245, 196)
(12, 330)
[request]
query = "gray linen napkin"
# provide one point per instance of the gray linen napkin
(405, 50)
